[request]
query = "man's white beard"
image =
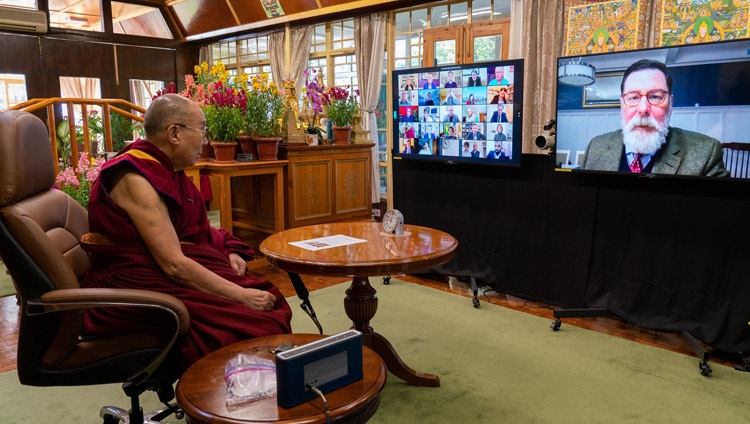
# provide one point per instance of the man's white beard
(637, 141)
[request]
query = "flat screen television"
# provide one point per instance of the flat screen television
(704, 130)
(459, 113)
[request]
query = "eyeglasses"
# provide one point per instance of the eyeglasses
(202, 131)
(654, 97)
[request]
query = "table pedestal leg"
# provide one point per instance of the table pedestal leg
(360, 305)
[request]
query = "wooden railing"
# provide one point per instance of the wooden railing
(122, 107)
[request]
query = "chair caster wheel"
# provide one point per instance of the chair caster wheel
(705, 368)
(555, 325)
(387, 280)
(109, 419)
(475, 301)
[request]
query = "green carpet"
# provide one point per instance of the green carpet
(6, 284)
(496, 366)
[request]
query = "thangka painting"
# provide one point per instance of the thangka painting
(604, 26)
(272, 8)
(702, 21)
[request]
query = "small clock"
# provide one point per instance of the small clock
(393, 222)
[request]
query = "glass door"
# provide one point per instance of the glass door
(443, 46)
(469, 43)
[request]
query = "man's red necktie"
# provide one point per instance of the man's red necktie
(635, 166)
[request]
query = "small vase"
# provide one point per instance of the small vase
(224, 152)
(341, 135)
(247, 143)
(268, 147)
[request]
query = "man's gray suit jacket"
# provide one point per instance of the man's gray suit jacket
(684, 153)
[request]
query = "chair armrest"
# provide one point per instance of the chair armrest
(83, 298)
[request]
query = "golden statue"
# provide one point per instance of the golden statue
(290, 90)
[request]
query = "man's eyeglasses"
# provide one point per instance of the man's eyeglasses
(654, 97)
(202, 131)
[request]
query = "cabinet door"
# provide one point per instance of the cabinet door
(353, 187)
(310, 191)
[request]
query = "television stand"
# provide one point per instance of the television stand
(692, 341)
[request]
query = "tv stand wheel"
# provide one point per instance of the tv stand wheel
(555, 325)
(475, 301)
(705, 368)
(387, 280)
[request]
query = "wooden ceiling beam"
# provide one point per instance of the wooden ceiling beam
(358, 5)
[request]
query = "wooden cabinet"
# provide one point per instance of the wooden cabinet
(327, 183)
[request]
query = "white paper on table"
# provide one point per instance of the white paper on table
(326, 242)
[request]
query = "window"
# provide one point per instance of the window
(245, 56)
(133, 19)
(333, 52)
(142, 92)
(12, 90)
(127, 18)
(85, 16)
(410, 24)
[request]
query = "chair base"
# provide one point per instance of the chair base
(113, 415)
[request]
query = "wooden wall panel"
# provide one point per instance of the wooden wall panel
(43, 60)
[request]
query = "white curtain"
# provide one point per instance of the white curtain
(278, 61)
(369, 47)
(301, 44)
(515, 50)
(301, 41)
(80, 88)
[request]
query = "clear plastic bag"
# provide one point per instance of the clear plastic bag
(249, 378)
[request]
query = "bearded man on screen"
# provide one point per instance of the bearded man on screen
(646, 143)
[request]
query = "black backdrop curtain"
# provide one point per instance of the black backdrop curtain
(662, 253)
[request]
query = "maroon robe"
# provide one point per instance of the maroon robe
(214, 322)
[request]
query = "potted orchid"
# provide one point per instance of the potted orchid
(341, 105)
(313, 103)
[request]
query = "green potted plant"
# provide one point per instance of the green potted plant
(122, 130)
(223, 101)
(340, 106)
(265, 108)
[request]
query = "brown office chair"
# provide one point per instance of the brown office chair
(737, 159)
(40, 229)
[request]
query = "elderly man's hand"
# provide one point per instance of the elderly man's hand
(258, 299)
(238, 264)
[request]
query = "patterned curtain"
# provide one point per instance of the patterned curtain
(369, 47)
(278, 62)
(542, 45)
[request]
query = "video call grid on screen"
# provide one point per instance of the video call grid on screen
(459, 113)
(711, 91)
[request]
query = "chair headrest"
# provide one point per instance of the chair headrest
(25, 157)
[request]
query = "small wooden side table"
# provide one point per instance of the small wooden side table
(201, 390)
(419, 248)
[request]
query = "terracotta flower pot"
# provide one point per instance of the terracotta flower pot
(224, 152)
(247, 143)
(341, 135)
(268, 147)
(206, 152)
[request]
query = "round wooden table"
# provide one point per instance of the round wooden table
(418, 249)
(201, 390)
